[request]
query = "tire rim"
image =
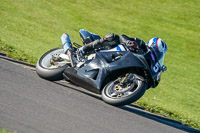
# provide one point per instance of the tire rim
(46, 60)
(115, 90)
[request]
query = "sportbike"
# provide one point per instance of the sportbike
(120, 76)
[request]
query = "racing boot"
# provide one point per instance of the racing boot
(81, 51)
(80, 54)
(66, 42)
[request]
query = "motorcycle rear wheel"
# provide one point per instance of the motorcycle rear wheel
(46, 70)
(115, 95)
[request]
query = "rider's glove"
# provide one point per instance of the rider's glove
(132, 45)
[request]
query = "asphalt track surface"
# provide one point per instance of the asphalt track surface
(29, 104)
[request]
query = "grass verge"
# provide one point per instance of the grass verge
(12, 52)
(4, 131)
(187, 121)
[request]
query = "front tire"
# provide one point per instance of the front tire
(44, 68)
(124, 96)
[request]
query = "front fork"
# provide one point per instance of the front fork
(124, 79)
(130, 78)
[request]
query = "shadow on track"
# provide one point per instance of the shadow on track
(82, 91)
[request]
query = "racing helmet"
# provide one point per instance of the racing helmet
(159, 47)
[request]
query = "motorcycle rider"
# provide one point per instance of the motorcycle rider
(111, 40)
(107, 42)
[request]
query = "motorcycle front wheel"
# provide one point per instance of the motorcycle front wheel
(45, 69)
(116, 94)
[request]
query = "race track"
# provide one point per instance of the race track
(29, 104)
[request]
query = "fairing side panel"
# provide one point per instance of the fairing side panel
(89, 76)
(71, 73)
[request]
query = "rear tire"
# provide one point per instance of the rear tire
(44, 69)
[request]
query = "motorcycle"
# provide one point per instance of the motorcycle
(120, 76)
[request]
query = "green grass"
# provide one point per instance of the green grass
(4, 131)
(30, 28)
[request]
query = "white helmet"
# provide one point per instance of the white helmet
(159, 47)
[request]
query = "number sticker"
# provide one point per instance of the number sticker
(156, 67)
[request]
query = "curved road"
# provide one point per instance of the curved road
(29, 104)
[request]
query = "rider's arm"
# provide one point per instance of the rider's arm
(109, 41)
